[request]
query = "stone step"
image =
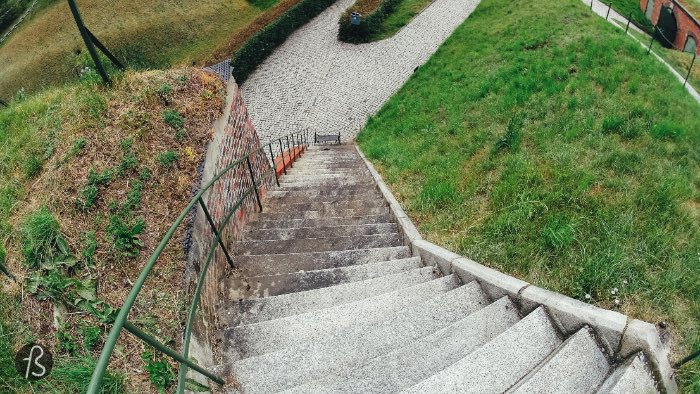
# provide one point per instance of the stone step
(323, 180)
(320, 231)
(346, 194)
(284, 206)
(324, 213)
(271, 264)
(577, 366)
(632, 376)
(321, 222)
(368, 195)
(322, 184)
(275, 307)
(418, 360)
(312, 360)
(347, 320)
(303, 170)
(326, 190)
(500, 363)
(272, 285)
(302, 245)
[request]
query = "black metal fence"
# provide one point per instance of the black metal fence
(658, 31)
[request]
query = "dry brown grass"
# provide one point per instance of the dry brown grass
(134, 111)
(153, 34)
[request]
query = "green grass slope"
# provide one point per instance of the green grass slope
(544, 142)
(147, 34)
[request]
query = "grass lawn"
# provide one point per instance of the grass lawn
(90, 180)
(543, 142)
(404, 12)
(680, 61)
(147, 34)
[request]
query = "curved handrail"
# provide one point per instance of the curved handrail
(121, 320)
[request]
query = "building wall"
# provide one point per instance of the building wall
(687, 25)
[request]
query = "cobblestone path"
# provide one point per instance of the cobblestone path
(315, 83)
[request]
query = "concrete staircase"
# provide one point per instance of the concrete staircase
(329, 299)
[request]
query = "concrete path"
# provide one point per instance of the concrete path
(601, 9)
(315, 83)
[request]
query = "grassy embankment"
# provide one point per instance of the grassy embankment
(146, 34)
(631, 7)
(91, 178)
(543, 142)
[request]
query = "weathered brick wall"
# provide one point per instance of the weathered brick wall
(687, 24)
(234, 137)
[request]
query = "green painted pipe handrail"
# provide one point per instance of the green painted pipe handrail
(121, 321)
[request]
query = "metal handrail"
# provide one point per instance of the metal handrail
(121, 321)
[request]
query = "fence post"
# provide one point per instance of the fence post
(216, 232)
(591, 4)
(252, 179)
(291, 157)
(628, 22)
(651, 42)
(88, 42)
(609, 7)
(274, 166)
(284, 165)
(695, 54)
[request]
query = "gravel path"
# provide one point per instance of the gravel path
(315, 83)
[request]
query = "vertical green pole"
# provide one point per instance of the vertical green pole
(690, 68)
(628, 22)
(88, 42)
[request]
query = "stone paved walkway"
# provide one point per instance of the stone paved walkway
(315, 83)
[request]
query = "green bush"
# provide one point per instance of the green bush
(370, 25)
(167, 158)
(261, 45)
(42, 240)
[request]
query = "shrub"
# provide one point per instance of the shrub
(373, 14)
(125, 235)
(159, 371)
(167, 159)
(173, 119)
(42, 240)
(261, 45)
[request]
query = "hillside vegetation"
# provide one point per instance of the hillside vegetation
(43, 51)
(544, 142)
(91, 179)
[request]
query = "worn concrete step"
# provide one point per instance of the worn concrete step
(252, 287)
(323, 213)
(302, 245)
(284, 206)
(418, 360)
(320, 231)
(368, 195)
(321, 222)
(632, 376)
(577, 366)
(312, 360)
(345, 177)
(310, 184)
(327, 190)
(270, 264)
(314, 171)
(349, 320)
(346, 194)
(275, 307)
(500, 363)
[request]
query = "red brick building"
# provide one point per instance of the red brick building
(688, 35)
